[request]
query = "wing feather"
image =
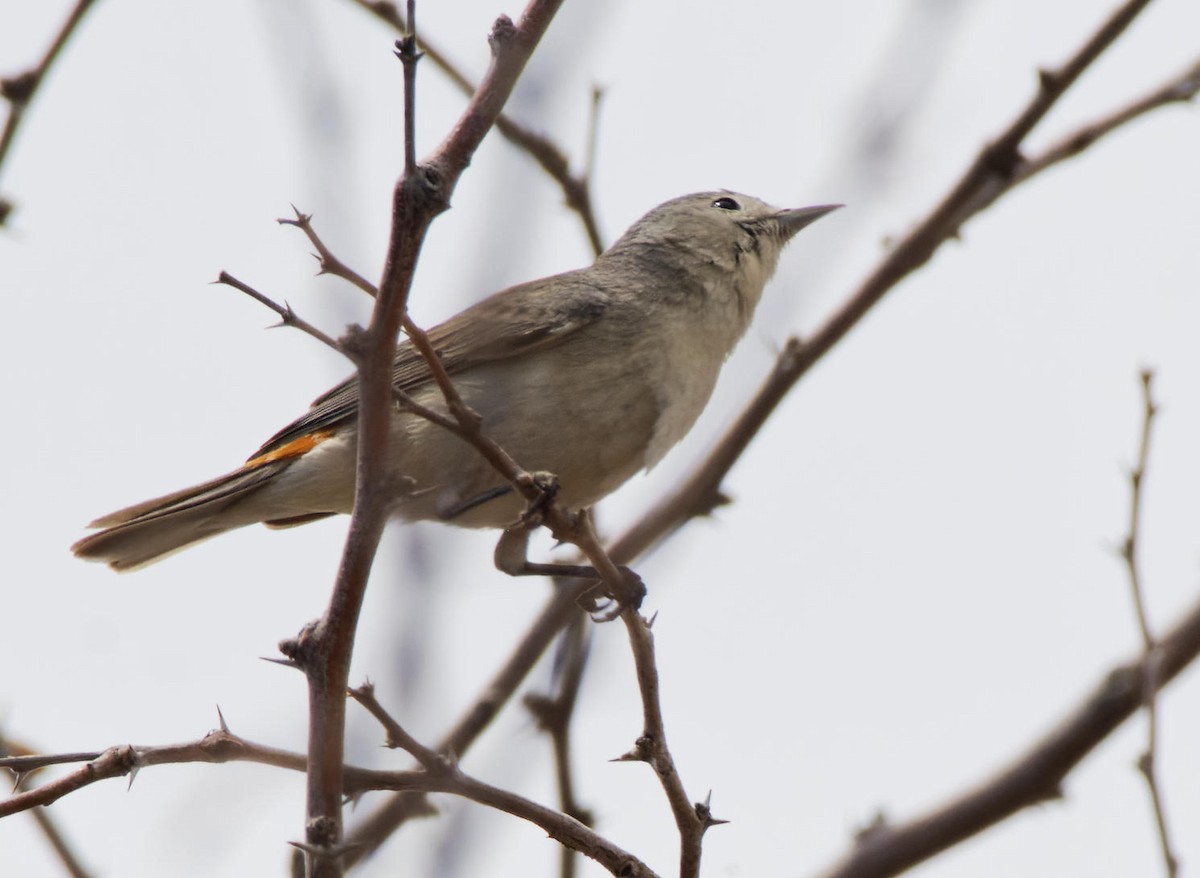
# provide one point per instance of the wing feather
(510, 323)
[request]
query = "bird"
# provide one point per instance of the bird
(592, 375)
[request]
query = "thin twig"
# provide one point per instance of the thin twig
(562, 606)
(575, 188)
(1150, 653)
(1179, 89)
(397, 737)
(406, 51)
(554, 713)
(19, 90)
(328, 263)
(287, 315)
(652, 749)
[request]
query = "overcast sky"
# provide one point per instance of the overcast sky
(916, 578)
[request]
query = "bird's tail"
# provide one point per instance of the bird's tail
(141, 534)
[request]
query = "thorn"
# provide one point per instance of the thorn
(287, 663)
(877, 825)
(704, 812)
(135, 767)
(651, 620)
(221, 717)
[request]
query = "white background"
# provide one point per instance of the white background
(916, 579)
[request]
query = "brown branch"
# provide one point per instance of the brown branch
(701, 492)
(1150, 649)
(326, 260)
(691, 820)
(554, 712)
(1179, 89)
(1033, 777)
(443, 775)
(19, 90)
(46, 823)
(559, 610)
(397, 737)
(466, 424)
(576, 189)
(285, 312)
(221, 745)
(995, 170)
(324, 651)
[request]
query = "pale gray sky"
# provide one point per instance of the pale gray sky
(916, 579)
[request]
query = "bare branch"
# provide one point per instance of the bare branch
(554, 712)
(1150, 651)
(652, 749)
(421, 193)
(397, 737)
(559, 610)
(995, 170)
(289, 317)
(328, 262)
(19, 90)
(222, 745)
(576, 189)
(1035, 776)
(46, 823)
(1179, 89)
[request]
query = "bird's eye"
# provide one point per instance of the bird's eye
(726, 203)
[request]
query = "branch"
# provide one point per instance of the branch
(1034, 777)
(324, 651)
(996, 170)
(19, 90)
(1150, 649)
(692, 820)
(46, 823)
(576, 189)
(288, 317)
(221, 746)
(559, 610)
(1177, 90)
(444, 776)
(554, 713)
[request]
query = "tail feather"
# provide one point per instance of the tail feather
(146, 532)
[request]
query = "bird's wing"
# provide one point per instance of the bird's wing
(513, 322)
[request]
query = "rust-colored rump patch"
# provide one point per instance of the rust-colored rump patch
(295, 448)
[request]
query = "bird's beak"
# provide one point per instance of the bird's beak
(792, 221)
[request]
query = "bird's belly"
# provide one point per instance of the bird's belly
(550, 414)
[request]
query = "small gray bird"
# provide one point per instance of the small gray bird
(591, 375)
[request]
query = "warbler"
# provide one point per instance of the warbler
(591, 375)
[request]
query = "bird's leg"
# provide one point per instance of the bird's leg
(511, 557)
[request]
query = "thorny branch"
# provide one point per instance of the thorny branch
(1147, 763)
(46, 823)
(1035, 776)
(691, 820)
(554, 712)
(980, 186)
(221, 745)
(996, 170)
(324, 649)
